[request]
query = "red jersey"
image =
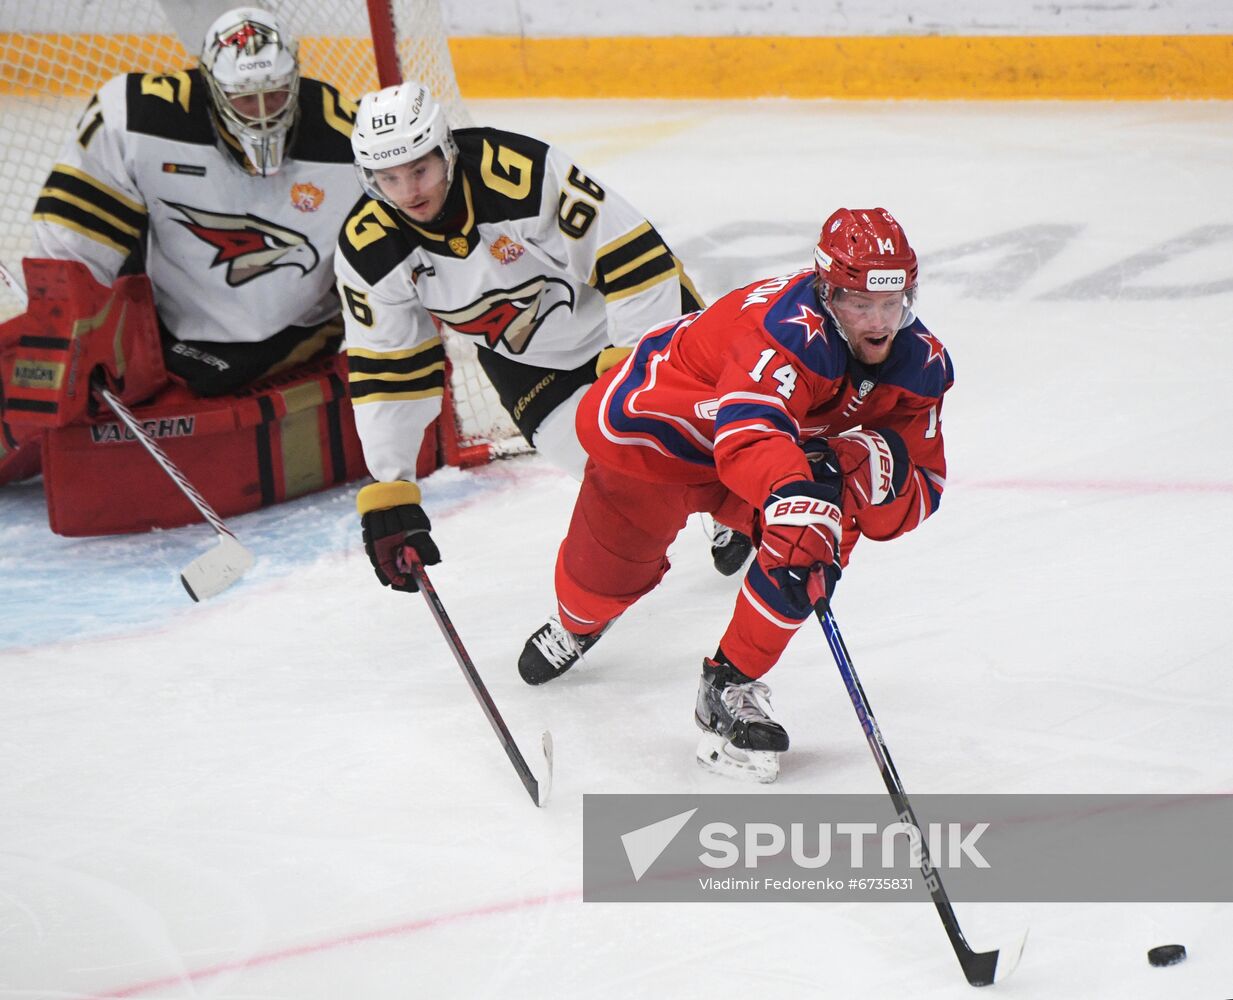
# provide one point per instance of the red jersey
(732, 392)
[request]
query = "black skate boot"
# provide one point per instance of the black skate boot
(733, 711)
(552, 650)
(729, 549)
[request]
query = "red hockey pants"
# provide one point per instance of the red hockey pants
(616, 551)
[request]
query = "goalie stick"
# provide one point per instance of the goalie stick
(212, 572)
(410, 561)
(980, 968)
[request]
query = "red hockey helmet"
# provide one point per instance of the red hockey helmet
(864, 249)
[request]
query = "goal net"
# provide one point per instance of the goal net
(54, 54)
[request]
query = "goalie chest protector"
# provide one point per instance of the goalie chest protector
(286, 436)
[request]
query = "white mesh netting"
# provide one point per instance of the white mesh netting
(55, 53)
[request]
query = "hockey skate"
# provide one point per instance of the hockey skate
(552, 650)
(729, 549)
(740, 737)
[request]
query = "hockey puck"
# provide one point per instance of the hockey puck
(1167, 954)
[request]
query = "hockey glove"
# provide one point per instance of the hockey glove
(393, 519)
(875, 467)
(801, 527)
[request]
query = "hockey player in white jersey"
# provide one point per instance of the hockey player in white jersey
(506, 240)
(227, 185)
(184, 247)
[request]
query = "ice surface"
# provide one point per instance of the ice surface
(289, 792)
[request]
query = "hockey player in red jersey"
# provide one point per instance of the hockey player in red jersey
(803, 409)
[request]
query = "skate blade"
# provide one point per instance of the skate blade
(718, 755)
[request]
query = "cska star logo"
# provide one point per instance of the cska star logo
(249, 245)
(936, 351)
(511, 315)
(812, 323)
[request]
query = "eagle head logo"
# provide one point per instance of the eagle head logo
(249, 245)
(511, 315)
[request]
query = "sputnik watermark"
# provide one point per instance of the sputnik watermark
(726, 846)
(1005, 848)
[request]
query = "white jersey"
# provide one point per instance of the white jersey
(542, 265)
(233, 257)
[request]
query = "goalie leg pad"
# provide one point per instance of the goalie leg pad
(280, 439)
(20, 456)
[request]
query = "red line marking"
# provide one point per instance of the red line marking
(329, 944)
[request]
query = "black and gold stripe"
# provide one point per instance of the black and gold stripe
(91, 121)
(691, 300)
(388, 376)
(77, 201)
(635, 261)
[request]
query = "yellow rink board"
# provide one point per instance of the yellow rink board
(1077, 67)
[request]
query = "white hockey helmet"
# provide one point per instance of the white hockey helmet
(398, 125)
(251, 68)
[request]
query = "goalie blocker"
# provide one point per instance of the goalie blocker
(279, 438)
(73, 328)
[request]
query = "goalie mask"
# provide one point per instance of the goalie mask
(865, 250)
(253, 75)
(396, 126)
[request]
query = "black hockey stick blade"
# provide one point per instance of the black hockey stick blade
(979, 968)
(984, 968)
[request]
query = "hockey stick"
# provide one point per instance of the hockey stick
(220, 567)
(980, 968)
(214, 571)
(538, 792)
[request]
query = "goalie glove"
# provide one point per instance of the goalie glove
(392, 520)
(801, 528)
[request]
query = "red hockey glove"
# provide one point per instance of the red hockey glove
(875, 466)
(801, 527)
(392, 519)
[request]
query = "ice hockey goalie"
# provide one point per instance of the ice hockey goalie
(225, 185)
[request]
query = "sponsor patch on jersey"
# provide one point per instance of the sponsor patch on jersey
(506, 250)
(525, 401)
(866, 387)
(307, 197)
(459, 245)
(892, 280)
(191, 169)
